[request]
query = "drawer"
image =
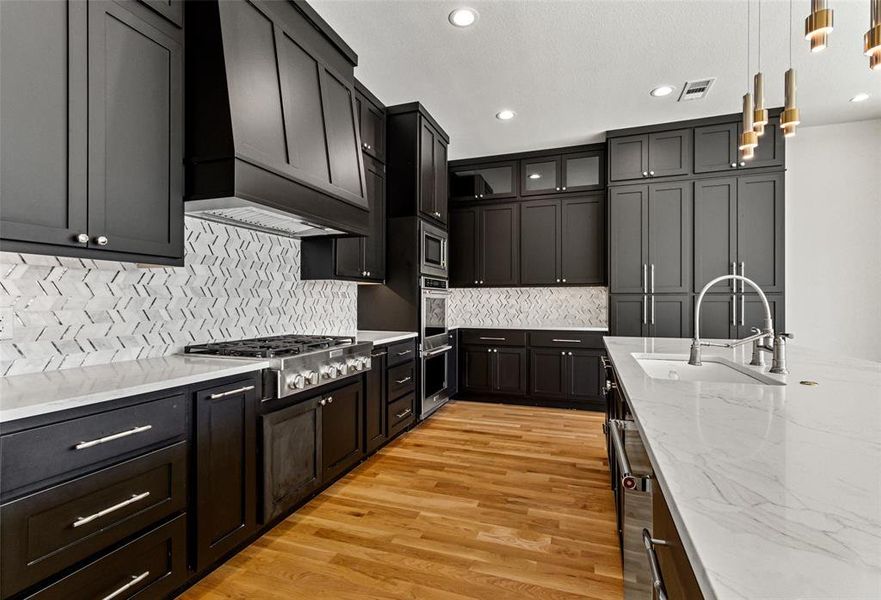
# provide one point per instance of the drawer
(493, 337)
(46, 532)
(401, 379)
(567, 339)
(47, 454)
(151, 566)
(401, 352)
(401, 413)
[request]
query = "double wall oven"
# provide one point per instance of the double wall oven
(434, 343)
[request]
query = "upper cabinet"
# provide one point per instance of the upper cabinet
(661, 154)
(716, 148)
(485, 242)
(484, 182)
(575, 172)
(417, 163)
(371, 120)
(540, 176)
(91, 108)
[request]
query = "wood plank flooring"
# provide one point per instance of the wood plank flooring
(482, 501)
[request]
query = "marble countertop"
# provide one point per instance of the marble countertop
(533, 327)
(775, 490)
(384, 337)
(34, 394)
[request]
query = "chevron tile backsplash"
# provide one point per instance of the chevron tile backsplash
(237, 283)
(529, 307)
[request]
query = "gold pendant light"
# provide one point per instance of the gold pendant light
(872, 39)
(760, 113)
(818, 25)
(789, 118)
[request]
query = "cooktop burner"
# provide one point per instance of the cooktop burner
(270, 347)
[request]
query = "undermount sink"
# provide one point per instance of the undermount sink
(715, 369)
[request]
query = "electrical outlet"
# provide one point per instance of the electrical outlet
(7, 318)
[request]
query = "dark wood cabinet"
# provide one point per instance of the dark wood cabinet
(464, 246)
(92, 119)
(499, 245)
(342, 431)
(541, 175)
(226, 469)
(728, 316)
(628, 315)
(477, 369)
(540, 242)
(586, 377)
(678, 575)
(484, 181)
(628, 239)
(716, 148)
(495, 370)
(371, 121)
(650, 315)
(660, 154)
(583, 171)
(375, 397)
(547, 373)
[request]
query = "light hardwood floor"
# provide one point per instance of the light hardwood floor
(482, 501)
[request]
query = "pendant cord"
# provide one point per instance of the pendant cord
(790, 34)
(760, 37)
(748, 19)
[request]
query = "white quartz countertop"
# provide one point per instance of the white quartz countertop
(34, 394)
(384, 337)
(532, 327)
(775, 490)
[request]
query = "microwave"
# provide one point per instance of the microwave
(432, 250)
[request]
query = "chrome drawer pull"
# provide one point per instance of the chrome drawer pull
(657, 578)
(404, 380)
(246, 388)
(404, 353)
(493, 339)
(639, 483)
(110, 438)
(567, 341)
(378, 354)
(136, 579)
(110, 509)
(401, 415)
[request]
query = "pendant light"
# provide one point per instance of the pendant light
(748, 138)
(872, 39)
(789, 118)
(818, 25)
(760, 113)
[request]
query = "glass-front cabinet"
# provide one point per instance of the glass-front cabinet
(484, 182)
(583, 171)
(540, 175)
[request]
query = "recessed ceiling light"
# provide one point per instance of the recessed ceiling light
(663, 90)
(861, 97)
(505, 115)
(535, 175)
(463, 17)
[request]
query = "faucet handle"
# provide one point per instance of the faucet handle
(791, 336)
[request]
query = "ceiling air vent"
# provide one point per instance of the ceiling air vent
(695, 90)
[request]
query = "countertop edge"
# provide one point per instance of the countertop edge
(384, 337)
(586, 328)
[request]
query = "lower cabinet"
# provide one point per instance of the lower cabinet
(494, 370)
(675, 569)
(650, 315)
(572, 376)
(226, 469)
(375, 422)
(342, 431)
(389, 394)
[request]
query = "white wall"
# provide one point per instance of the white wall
(833, 238)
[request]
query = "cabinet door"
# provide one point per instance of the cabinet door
(291, 456)
(583, 171)
(440, 179)
(583, 244)
(341, 129)
(374, 243)
(670, 316)
(375, 424)
(477, 366)
(484, 182)
(500, 244)
(226, 469)
(350, 257)
(760, 230)
(585, 376)
(628, 157)
(43, 116)
(715, 148)
(547, 373)
(628, 315)
(372, 128)
(670, 153)
(715, 231)
(341, 430)
(135, 134)
(540, 229)
(510, 368)
(751, 313)
(669, 233)
(426, 170)
(464, 246)
(718, 316)
(540, 176)
(628, 232)
(769, 152)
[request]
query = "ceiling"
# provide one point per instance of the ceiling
(572, 69)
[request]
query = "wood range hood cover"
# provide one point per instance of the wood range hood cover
(272, 138)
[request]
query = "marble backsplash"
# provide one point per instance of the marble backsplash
(529, 307)
(236, 283)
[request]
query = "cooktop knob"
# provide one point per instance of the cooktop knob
(333, 371)
(296, 382)
(311, 377)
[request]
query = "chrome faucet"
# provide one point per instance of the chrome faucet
(763, 340)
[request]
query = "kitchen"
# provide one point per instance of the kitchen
(289, 311)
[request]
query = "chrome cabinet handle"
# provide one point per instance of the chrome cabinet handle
(645, 278)
(404, 380)
(569, 353)
(82, 238)
(496, 350)
(564, 280)
(558, 281)
(645, 307)
(404, 353)
(110, 438)
(653, 278)
(378, 354)
(493, 339)
(742, 309)
(628, 479)
(323, 402)
(403, 414)
(564, 188)
(481, 282)
(102, 240)
(742, 274)
(330, 399)
(136, 579)
(733, 165)
(567, 341)
(101, 513)
(733, 309)
(652, 173)
(563, 353)
(489, 349)
(475, 282)
(657, 578)
(246, 388)
(645, 173)
(653, 310)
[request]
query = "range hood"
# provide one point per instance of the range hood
(272, 139)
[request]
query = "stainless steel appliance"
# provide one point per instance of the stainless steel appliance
(298, 363)
(435, 344)
(432, 250)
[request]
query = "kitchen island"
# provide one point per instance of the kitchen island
(775, 490)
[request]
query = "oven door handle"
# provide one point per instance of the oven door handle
(436, 351)
(639, 483)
